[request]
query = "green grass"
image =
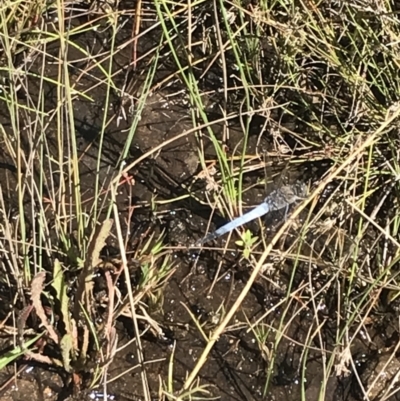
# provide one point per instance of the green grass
(319, 82)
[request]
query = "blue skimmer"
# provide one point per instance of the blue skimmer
(279, 199)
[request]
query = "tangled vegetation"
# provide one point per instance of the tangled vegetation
(129, 130)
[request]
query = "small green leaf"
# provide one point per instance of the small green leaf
(61, 291)
(66, 345)
(246, 243)
(16, 352)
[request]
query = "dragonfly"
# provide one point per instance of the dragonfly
(278, 199)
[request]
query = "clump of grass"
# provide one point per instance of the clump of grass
(55, 224)
(323, 81)
(317, 82)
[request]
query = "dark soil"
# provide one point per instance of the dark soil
(236, 368)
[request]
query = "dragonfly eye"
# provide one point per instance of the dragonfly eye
(300, 190)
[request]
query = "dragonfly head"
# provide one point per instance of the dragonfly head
(300, 190)
(294, 192)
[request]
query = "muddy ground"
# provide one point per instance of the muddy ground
(236, 369)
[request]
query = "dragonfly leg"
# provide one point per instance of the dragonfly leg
(286, 211)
